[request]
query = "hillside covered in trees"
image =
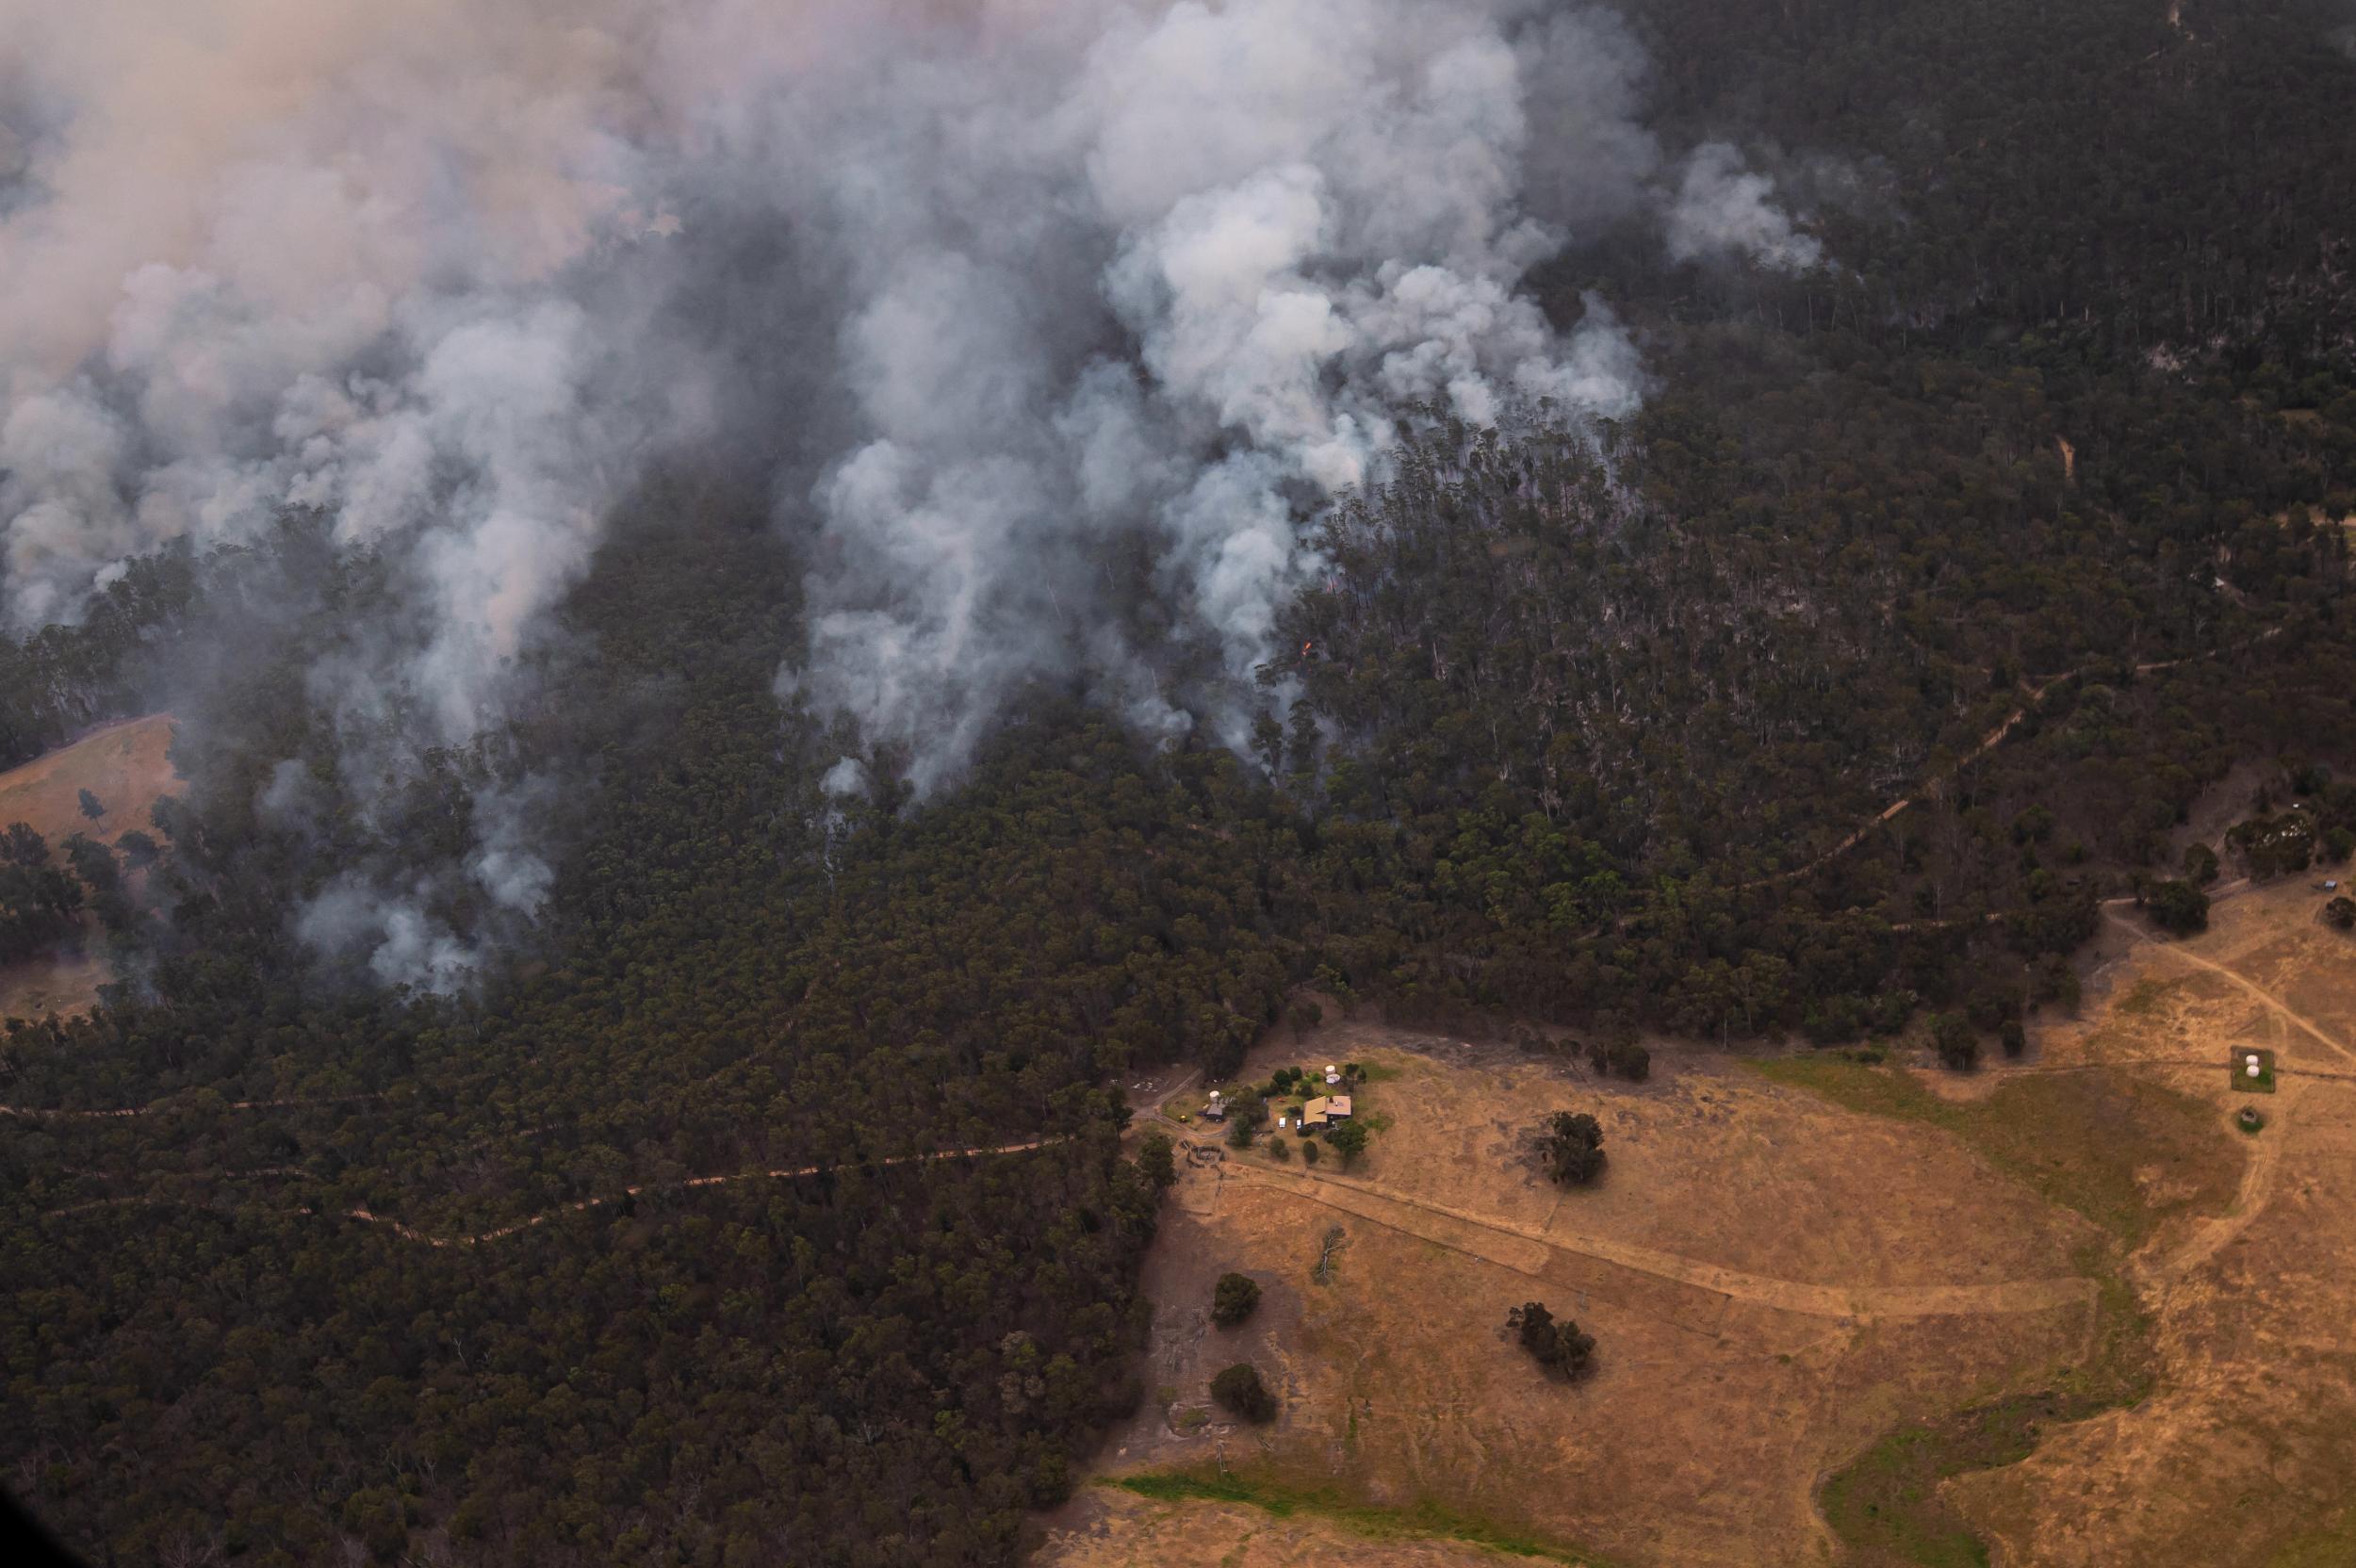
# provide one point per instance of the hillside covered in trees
(2058, 451)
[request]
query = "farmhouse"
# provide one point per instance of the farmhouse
(1325, 1109)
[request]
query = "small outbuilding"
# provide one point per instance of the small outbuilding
(1215, 1110)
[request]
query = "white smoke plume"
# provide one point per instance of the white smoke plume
(1087, 301)
(1721, 208)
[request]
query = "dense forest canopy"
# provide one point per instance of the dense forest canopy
(1577, 721)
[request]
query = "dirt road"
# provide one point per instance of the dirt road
(1523, 1249)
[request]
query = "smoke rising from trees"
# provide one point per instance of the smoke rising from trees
(1070, 314)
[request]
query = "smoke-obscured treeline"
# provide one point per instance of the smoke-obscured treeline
(2064, 416)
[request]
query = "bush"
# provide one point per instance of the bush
(1155, 1161)
(2178, 907)
(1239, 1390)
(2200, 864)
(1349, 1140)
(1572, 1146)
(1620, 1057)
(2341, 913)
(1957, 1042)
(1556, 1344)
(1232, 1299)
(1310, 1152)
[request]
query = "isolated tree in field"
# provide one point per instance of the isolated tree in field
(1310, 1153)
(1572, 1146)
(2341, 913)
(91, 808)
(1555, 1343)
(1349, 1140)
(1232, 1299)
(1240, 1390)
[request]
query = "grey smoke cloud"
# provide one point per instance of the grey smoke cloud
(1722, 208)
(1086, 299)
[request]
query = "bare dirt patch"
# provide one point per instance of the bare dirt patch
(1772, 1279)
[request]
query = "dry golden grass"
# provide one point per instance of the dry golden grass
(2246, 1449)
(1772, 1280)
(128, 767)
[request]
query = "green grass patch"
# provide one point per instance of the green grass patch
(2076, 1139)
(1421, 1521)
(2329, 1545)
(1376, 1073)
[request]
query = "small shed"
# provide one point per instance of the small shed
(1215, 1110)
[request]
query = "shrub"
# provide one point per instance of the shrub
(1156, 1162)
(2341, 913)
(1240, 1390)
(1232, 1299)
(1349, 1140)
(1555, 1344)
(1957, 1042)
(2178, 907)
(1572, 1144)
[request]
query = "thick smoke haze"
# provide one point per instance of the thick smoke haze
(1085, 306)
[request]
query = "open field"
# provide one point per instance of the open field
(1772, 1280)
(128, 767)
(2059, 1313)
(2246, 1451)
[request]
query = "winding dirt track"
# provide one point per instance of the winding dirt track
(34, 1113)
(2032, 697)
(426, 1238)
(1492, 1239)
(2281, 1006)
(2265, 1159)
